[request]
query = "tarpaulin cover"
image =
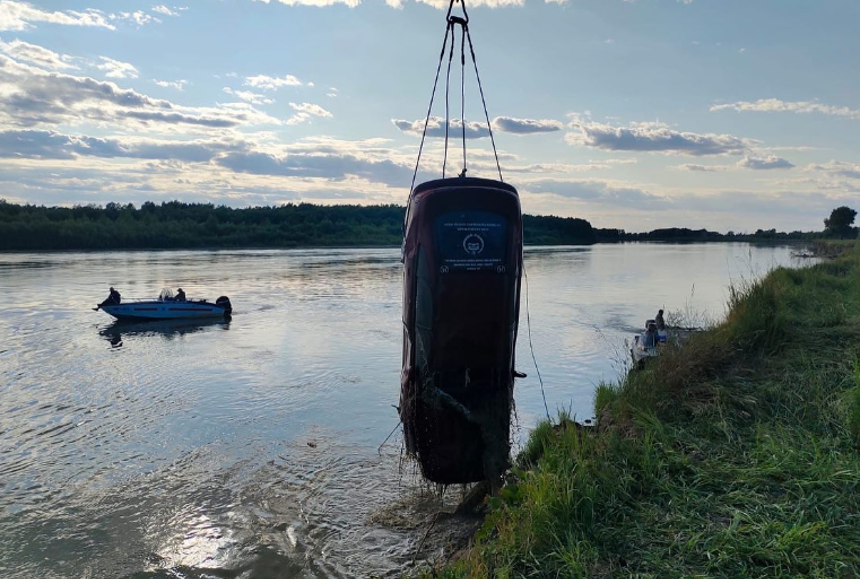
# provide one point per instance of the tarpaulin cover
(462, 256)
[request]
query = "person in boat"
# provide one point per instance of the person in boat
(113, 299)
(661, 323)
(649, 339)
(180, 295)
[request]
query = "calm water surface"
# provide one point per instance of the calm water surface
(249, 448)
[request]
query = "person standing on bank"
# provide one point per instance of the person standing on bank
(661, 323)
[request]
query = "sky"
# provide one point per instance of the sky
(732, 115)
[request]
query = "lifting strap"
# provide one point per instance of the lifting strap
(450, 33)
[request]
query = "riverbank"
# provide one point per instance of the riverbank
(735, 455)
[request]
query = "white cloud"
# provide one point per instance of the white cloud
(526, 126)
(177, 84)
(117, 68)
(837, 168)
(162, 9)
(16, 15)
(265, 82)
(51, 145)
(651, 137)
(34, 97)
(603, 192)
(763, 163)
(560, 168)
(306, 111)
(249, 97)
(701, 168)
(139, 17)
(436, 128)
(35, 54)
(780, 106)
(439, 4)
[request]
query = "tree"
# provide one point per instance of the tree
(840, 221)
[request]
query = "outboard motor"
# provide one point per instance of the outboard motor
(462, 256)
(224, 302)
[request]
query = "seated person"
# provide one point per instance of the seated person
(649, 339)
(180, 295)
(113, 299)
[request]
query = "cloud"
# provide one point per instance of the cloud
(34, 97)
(249, 97)
(651, 137)
(39, 144)
(439, 4)
(436, 128)
(177, 84)
(117, 68)
(779, 106)
(139, 17)
(838, 168)
(162, 9)
(37, 55)
(16, 15)
(306, 111)
(315, 160)
(319, 165)
(272, 83)
(526, 126)
(701, 168)
(763, 163)
(599, 192)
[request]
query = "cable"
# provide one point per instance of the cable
(430, 106)
(463, 92)
(447, 89)
(484, 102)
(531, 346)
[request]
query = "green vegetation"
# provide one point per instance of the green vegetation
(839, 224)
(735, 455)
(174, 224)
(188, 225)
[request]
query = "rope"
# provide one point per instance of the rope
(447, 90)
(531, 346)
(463, 92)
(430, 106)
(466, 35)
(484, 102)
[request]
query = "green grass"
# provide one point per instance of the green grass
(736, 455)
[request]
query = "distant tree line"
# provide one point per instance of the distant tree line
(684, 235)
(174, 224)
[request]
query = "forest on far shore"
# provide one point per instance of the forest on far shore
(174, 225)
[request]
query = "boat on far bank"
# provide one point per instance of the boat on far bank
(165, 307)
(648, 343)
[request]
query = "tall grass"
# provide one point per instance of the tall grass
(734, 455)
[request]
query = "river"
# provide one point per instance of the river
(249, 449)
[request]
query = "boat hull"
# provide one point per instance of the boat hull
(165, 311)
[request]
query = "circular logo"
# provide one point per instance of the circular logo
(473, 244)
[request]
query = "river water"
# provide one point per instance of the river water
(250, 448)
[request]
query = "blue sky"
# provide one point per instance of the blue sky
(731, 115)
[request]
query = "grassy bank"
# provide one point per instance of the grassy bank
(736, 455)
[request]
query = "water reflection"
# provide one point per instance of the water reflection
(181, 450)
(167, 329)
